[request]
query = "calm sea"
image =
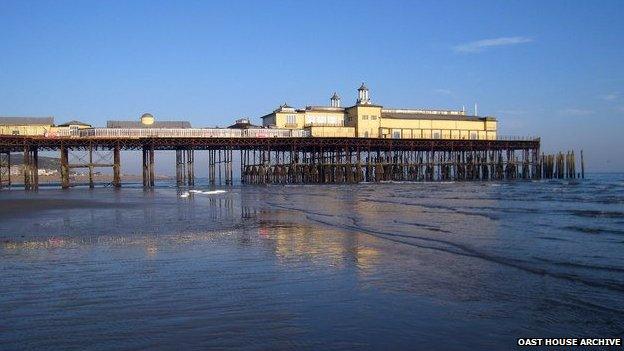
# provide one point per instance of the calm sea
(437, 266)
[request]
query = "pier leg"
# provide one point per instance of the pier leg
(31, 168)
(582, 166)
(35, 169)
(151, 166)
(211, 167)
(5, 169)
(180, 168)
(190, 167)
(219, 166)
(26, 168)
(145, 168)
(64, 167)
(116, 167)
(91, 184)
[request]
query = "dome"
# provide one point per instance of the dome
(147, 119)
(363, 87)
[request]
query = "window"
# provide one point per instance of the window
(473, 135)
(365, 117)
(396, 134)
(16, 132)
(373, 117)
(291, 119)
(436, 135)
(366, 134)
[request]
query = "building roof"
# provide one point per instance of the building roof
(157, 124)
(323, 108)
(243, 125)
(402, 115)
(74, 123)
(335, 96)
(23, 121)
(363, 105)
(363, 87)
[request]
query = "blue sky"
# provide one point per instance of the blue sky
(552, 69)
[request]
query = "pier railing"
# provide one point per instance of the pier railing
(517, 138)
(191, 133)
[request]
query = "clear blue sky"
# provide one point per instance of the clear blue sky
(548, 68)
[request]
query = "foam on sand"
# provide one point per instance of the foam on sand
(201, 192)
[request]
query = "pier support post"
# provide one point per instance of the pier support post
(151, 166)
(211, 166)
(91, 183)
(5, 169)
(190, 166)
(582, 166)
(180, 168)
(148, 166)
(116, 167)
(31, 168)
(64, 167)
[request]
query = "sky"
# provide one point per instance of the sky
(544, 68)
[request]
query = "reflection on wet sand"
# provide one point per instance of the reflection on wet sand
(377, 266)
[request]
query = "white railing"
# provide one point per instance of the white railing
(191, 133)
(517, 138)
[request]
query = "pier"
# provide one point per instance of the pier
(295, 160)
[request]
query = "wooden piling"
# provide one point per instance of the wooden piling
(64, 167)
(116, 167)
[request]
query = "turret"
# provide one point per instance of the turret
(363, 96)
(335, 100)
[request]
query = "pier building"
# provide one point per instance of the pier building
(365, 119)
(147, 120)
(26, 125)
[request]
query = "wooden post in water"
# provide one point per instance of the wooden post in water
(91, 184)
(151, 166)
(5, 169)
(64, 167)
(582, 166)
(190, 166)
(31, 168)
(26, 168)
(35, 168)
(116, 167)
(145, 168)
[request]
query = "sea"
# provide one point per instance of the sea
(373, 266)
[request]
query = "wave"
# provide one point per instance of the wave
(597, 214)
(592, 230)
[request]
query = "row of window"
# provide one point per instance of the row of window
(366, 117)
(396, 134)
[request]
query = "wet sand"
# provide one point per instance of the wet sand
(437, 266)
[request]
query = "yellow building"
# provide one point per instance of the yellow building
(26, 125)
(367, 120)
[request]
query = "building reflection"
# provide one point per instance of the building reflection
(295, 241)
